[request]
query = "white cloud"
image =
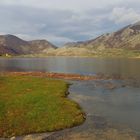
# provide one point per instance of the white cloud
(52, 38)
(77, 5)
(59, 39)
(61, 21)
(124, 15)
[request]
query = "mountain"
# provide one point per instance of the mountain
(127, 38)
(124, 42)
(40, 46)
(13, 45)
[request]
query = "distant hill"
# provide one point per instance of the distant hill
(13, 45)
(124, 42)
(127, 38)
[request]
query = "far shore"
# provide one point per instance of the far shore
(90, 56)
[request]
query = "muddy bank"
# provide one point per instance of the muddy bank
(95, 128)
(129, 81)
(66, 76)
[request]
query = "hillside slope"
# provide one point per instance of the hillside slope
(126, 39)
(13, 45)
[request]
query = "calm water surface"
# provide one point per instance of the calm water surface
(119, 66)
(116, 101)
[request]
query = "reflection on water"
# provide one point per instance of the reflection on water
(118, 66)
(112, 106)
(112, 109)
(120, 103)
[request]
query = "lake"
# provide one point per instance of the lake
(110, 105)
(110, 66)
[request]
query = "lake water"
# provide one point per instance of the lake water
(112, 106)
(117, 66)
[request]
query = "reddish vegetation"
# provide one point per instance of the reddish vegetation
(55, 75)
(64, 75)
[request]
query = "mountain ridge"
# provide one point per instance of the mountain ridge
(13, 45)
(115, 39)
(125, 39)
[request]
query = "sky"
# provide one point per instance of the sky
(62, 21)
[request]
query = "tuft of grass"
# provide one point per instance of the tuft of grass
(33, 104)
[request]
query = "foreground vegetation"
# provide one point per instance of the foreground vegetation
(33, 104)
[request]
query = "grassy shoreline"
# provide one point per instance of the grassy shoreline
(30, 104)
(108, 52)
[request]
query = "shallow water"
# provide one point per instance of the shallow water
(112, 112)
(109, 99)
(112, 106)
(112, 109)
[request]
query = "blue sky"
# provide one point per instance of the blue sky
(61, 21)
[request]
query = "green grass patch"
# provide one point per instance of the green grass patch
(107, 52)
(113, 52)
(33, 104)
